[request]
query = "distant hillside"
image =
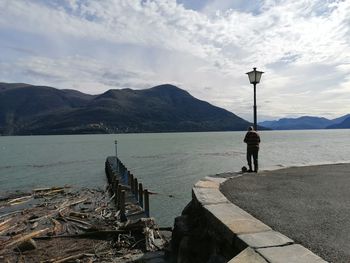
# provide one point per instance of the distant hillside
(28, 109)
(345, 124)
(303, 123)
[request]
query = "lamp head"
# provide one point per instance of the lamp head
(254, 76)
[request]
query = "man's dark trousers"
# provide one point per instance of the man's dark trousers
(253, 153)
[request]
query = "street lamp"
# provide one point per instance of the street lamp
(254, 78)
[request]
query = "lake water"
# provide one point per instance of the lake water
(168, 163)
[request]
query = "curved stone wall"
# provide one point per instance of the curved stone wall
(230, 234)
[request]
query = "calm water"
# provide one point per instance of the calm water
(168, 164)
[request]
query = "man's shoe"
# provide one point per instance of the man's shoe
(250, 171)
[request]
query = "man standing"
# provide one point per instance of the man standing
(252, 139)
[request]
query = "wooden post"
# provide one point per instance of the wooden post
(136, 188)
(125, 176)
(119, 193)
(106, 168)
(146, 202)
(132, 183)
(121, 169)
(111, 185)
(116, 149)
(141, 195)
(129, 178)
(107, 172)
(122, 207)
(115, 187)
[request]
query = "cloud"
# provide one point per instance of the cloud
(303, 46)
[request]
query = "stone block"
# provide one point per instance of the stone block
(207, 184)
(236, 219)
(248, 256)
(218, 180)
(289, 254)
(208, 196)
(265, 239)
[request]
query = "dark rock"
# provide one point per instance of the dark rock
(188, 209)
(26, 245)
(217, 259)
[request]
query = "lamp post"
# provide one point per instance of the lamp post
(254, 78)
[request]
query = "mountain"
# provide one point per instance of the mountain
(301, 123)
(304, 123)
(345, 124)
(29, 109)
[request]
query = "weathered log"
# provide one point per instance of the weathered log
(19, 200)
(80, 215)
(101, 234)
(69, 204)
(78, 221)
(48, 189)
(5, 223)
(28, 236)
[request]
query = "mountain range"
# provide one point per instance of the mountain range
(308, 122)
(28, 109)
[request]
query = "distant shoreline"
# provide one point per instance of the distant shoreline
(169, 132)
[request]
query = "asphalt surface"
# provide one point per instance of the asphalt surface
(311, 205)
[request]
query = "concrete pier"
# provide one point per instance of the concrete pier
(310, 205)
(297, 215)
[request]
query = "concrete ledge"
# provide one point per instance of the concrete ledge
(256, 241)
(287, 254)
(248, 256)
(265, 239)
(236, 219)
(208, 195)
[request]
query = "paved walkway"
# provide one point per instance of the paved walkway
(311, 205)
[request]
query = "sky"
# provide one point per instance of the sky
(202, 46)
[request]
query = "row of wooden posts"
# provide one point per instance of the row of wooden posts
(121, 180)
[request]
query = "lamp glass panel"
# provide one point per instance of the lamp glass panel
(258, 76)
(251, 76)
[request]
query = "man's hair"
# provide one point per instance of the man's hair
(250, 128)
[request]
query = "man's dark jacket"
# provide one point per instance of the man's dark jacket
(252, 139)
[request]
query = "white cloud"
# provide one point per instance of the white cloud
(304, 47)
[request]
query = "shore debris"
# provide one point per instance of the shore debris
(60, 224)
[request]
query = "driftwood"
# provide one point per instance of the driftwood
(18, 230)
(19, 200)
(102, 234)
(78, 221)
(7, 228)
(80, 215)
(149, 236)
(34, 225)
(59, 219)
(78, 256)
(47, 189)
(11, 213)
(43, 217)
(3, 224)
(68, 204)
(57, 226)
(28, 236)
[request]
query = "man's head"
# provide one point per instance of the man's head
(250, 128)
